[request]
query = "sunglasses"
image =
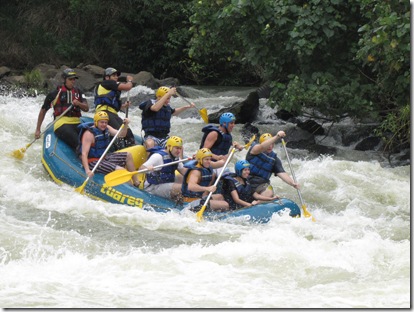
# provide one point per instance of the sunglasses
(72, 79)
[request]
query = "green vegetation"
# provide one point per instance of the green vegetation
(33, 79)
(336, 57)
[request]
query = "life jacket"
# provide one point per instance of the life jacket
(102, 140)
(107, 97)
(223, 143)
(63, 100)
(206, 177)
(159, 121)
(167, 173)
(244, 190)
(262, 164)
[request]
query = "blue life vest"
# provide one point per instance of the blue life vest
(167, 173)
(102, 139)
(223, 143)
(261, 165)
(206, 177)
(159, 121)
(112, 99)
(244, 191)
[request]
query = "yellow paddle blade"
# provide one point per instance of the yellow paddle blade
(204, 114)
(81, 188)
(118, 177)
(250, 142)
(307, 214)
(199, 214)
(19, 154)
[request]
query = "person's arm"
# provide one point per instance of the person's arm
(153, 161)
(259, 148)
(81, 102)
(160, 103)
(193, 185)
(87, 140)
(287, 179)
(260, 198)
(40, 118)
(235, 195)
(126, 86)
(123, 132)
(183, 108)
(42, 113)
(217, 164)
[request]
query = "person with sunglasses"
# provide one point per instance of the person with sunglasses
(67, 102)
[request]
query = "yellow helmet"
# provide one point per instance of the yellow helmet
(162, 91)
(203, 153)
(264, 137)
(101, 115)
(174, 141)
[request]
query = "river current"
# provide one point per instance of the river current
(60, 249)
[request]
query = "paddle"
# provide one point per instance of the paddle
(122, 176)
(305, 211)
(200, 213)
(82, 187)
(19, 153)
(126, 111)
(247, 145)
(203, 112)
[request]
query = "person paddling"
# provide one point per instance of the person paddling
(67, 102)
(164, 182)
(198, 182)
(264, 162)
(237, 190)
(95, 138)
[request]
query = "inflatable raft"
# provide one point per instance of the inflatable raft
(63, 165)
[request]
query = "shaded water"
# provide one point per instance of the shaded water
(59, 249)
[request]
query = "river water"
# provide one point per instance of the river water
(60, 249)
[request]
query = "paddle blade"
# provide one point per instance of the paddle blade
(19, 154)
(199, 214)
(250, 142)
(307, 214)
(118, 177)
(81, 188)
(204, 114)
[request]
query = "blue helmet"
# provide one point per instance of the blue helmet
(240, 165)
(225, 118)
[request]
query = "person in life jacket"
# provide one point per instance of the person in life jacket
(164, 182)
(237, 190)
(198, 183)
(108, 99)
(95, 138)
(264, 162)
(219, 139)
(64, 97)
(156, 117)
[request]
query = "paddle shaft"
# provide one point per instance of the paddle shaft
(163, 165)
(291, 170)
(200, 213)
(305, 211)
(125, 175)
(107, 148)
(126, 111)
(202, 112)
